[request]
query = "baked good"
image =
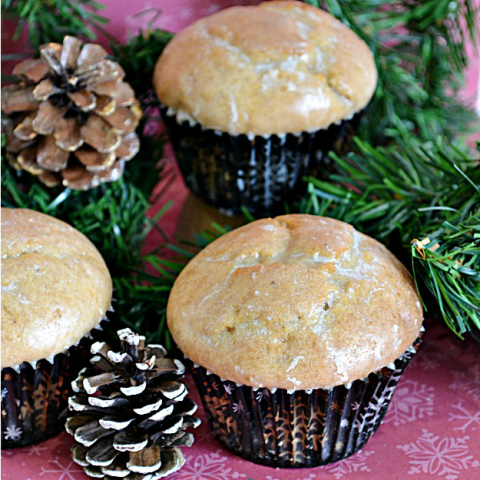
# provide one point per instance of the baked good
(295, 307)
(279, 75)
(56, 289)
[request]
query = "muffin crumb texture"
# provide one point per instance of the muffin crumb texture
(276, 68)
(294, 302)
(55, 286)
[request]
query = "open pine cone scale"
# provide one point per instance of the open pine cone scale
(74, 112)
(130, 412)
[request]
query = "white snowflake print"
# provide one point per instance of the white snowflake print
(469, 419)
(468, 381)
(338, 446)
(355, 406)
(237, 407)
(212, 9)
(432, 358)
(261, 394)
(355, 463)
(443, 457)
(412, 400)
(344, 423)
(34, 450)
(12, 433)
(229, 387)
(209, 466)
(67, 470)
(4, 392)
(185, 13)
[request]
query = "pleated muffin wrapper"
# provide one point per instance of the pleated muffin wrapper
(301, 428)
(256, 172)
(35, 394)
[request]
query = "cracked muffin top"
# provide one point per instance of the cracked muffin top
(279, 67)
(55, 286)
(294, 302)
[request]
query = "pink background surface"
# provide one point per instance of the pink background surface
(432, 429)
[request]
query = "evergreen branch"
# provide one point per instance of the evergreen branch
(50, 20)
(448, 266)
(139, 56)
(388, 192)
(419, 48)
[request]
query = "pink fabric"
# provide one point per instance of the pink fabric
(431, 431)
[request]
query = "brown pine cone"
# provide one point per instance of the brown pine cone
(130, 412)
(72, 118)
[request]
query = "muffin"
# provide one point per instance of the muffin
(56, 289)
(299, 329)
(255, 96)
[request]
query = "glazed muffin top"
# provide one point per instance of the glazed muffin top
(279, 67)
(294, 302)
(55, 286)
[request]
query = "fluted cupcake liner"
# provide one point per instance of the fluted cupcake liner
(302, 428)
(259, 173)
(35, 394)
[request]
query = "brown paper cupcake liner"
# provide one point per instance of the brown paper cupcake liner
(302, 428)
(259, 173)
(35, 394)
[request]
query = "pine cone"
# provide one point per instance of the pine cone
(130, 412)
(72, 118)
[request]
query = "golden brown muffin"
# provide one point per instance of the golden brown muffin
(279, 67)
(55, 286)
(294, 302)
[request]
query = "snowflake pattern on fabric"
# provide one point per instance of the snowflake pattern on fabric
(212, 9)
(12, 433)
(412, 400)
(4, 393)
(439, 456)
(355, 463)
(210, 466)
(468, 381)
(432, 358)
(229, 387)
(203, 433)
(237, 407)
(469, 419)
(67, 469)
(34, 450)
(186, 13)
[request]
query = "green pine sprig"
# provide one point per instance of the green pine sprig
(448, 268)
(50, 20)
(419, 48)
(139, 56)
